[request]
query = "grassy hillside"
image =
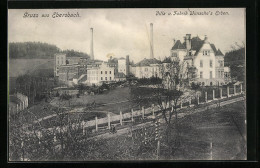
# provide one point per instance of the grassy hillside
(19, 67)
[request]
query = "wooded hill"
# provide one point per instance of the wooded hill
(235, 59)
(30, 50)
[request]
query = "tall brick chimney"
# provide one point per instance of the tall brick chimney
(91, 45)
(127, 65)
(151, 41)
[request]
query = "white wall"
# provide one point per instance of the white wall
(147, 71)
(122, 66)
(206, 62)
(96, 77)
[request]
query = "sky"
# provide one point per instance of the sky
(122, 32)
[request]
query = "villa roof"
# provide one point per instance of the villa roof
(219, 52)
(196, 44)
(178, 45)
(147, 62)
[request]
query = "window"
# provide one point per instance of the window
(110, 77)
(105, 72)
(106, 78)
(101, 73)
(201, 74)
(101, 77)
(206, 52)
(221, 64)
(201, 63)
(109, 72)
(210, 74)
(210, 63)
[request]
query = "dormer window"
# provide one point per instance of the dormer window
(206, 52)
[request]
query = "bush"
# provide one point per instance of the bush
(65, 97)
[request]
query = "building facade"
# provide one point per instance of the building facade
(100, 73)
(59, 59)
(203, 55)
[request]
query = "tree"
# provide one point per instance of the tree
(235, 59)
(167, 94)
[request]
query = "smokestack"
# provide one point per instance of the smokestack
(127, 65)
(91, 45)
(151, 41)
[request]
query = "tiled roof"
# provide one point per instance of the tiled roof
(178, 45)
(147, 62)
(196, 44)
(214, 48)
(219, 52)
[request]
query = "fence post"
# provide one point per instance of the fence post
(181, 104)
(220, 94)
(198, 98)
(206, 97)
(54, 137)
(227, 91)
(211, 157)
(17, 108)
(96, 121)
(213, 94)
(190, 100)
(108, 120)
(83, 128)
(153, 109)
(143, 112)
(20, 106)
(163, 104)
(241, 88)
(121, 118)
(132, 114)
(234, 89)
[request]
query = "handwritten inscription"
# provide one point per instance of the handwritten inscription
(53, 15)
(190, 12)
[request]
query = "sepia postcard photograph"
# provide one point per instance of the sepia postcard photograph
(129, 84)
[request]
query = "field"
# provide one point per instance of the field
(224, 128)
(110, 101)
(19, 67)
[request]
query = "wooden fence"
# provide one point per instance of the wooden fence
(105, 123)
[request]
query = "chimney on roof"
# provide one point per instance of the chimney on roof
(174, 41)
(188, 41)
(206, 39)
(91, 45)
(151, 41)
